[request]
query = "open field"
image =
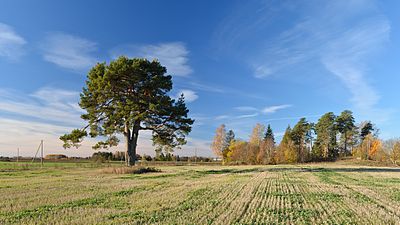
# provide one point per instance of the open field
(286, 194)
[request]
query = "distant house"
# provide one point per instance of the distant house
(56, 156)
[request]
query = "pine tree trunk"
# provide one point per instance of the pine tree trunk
(131, 150)
(134, 140)
(131, 143)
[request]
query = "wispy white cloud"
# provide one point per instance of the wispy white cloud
(190, 96)
(174, 55)
(216, 89)
(342, 44)
(11, 43)
(247, 116)
(42, 115)
(205, 87)
(246, 108)
(245, 19)
(275, 108)
(47, 104)
(45, 114)
(26, 135)
(266, 110)
(346, 58)
(69, 51)
(341, 35)
(221, 117)
(251, 112)
(262, 71)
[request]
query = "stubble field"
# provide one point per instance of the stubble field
(286, 194)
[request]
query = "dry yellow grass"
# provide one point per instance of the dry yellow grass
(129, 170)
(297, 194)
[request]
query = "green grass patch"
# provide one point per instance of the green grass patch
(396, 195)
(362, 198)
(327, 176)
(130, 215)
(294, 214)
(324, 196)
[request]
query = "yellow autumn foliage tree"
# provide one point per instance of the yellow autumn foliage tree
(371, 148)
(238, 151)
(374, 148)
(395, 155)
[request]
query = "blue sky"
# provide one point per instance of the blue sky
(237, 62)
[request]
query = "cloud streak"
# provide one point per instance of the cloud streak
(68, 51)
(221, 117)
(343, 50)
(265, 110)
(251, 112)
(11, 43)
(42, 115)
(346, 59)
(275, 108)
(246, 108)
(342, 36)
(247, 116)
(46, 104)
(173, 55)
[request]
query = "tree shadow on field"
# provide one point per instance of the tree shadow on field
(321, 169)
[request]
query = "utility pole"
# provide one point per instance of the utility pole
(40, 147)
(41, 158)
(17, 154)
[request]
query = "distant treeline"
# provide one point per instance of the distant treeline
(120, 156)
(116, 156)
(328, 139)
(51, 157)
